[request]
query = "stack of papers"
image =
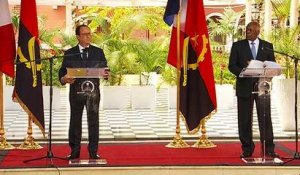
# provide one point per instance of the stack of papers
(258, 68)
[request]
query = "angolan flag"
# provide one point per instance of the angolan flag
(197, 85)
(28, 84)
(7, 41)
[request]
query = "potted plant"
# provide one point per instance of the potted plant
(49, 50)
(169, 77)
(151, 60)
(120, 60)
(285, 41)
(119, 34)
(224, 80)
(223, 31)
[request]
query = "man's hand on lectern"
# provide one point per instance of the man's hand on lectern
(66, 79)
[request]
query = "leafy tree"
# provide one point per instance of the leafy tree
(115, 30)
(225, 25)
(151, 57)
(281, 9)
(121, 59)
(285, 39)
(48, 51)
(169, 75)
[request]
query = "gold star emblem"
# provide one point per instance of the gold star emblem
(194, 40)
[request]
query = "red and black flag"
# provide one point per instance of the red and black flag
(197, 85)
(28, 83)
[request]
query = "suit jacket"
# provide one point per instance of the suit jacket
(240, 56)
(73, 59)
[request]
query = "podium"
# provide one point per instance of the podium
(264, 76)
(87, 85)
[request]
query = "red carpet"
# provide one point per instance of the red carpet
(143, 154)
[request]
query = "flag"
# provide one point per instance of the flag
(28, 84)
(197, 86)
(7, 41)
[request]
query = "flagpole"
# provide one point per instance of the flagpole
(29, 142)
(3, 144)
(203, 141)
(177, 140)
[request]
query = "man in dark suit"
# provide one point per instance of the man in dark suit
(242, 52)
(83, 55)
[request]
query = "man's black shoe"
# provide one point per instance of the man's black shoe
(245, 154)
(73, 155)
(94, 155)
(272, 154)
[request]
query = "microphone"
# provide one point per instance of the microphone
(267, 49)
(73, 54)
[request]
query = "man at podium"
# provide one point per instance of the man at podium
(242, 52)
(84, 92)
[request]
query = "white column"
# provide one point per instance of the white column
(294, 13)
(248, 11)
(267, 19)
(69, 20)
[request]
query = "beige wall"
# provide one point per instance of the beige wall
(55, 18)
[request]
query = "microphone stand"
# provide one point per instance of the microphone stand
(297, 154)
(50, 154)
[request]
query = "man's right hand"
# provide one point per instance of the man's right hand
(65, 79)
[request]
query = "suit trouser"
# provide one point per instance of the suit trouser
(245, 121)
(77, 104)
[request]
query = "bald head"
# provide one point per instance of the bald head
(252, 30)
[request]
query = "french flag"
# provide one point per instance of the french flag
(7, 41)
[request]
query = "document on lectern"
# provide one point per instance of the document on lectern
(259, 68)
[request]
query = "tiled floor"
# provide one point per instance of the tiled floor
(140, 124)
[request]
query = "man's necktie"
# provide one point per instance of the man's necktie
(84, 53)
(253, 50)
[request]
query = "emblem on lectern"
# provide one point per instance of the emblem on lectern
(264, 86)
(87, 86)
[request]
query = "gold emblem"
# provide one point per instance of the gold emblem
(193, 66)
(30, 63)
(194, 39)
